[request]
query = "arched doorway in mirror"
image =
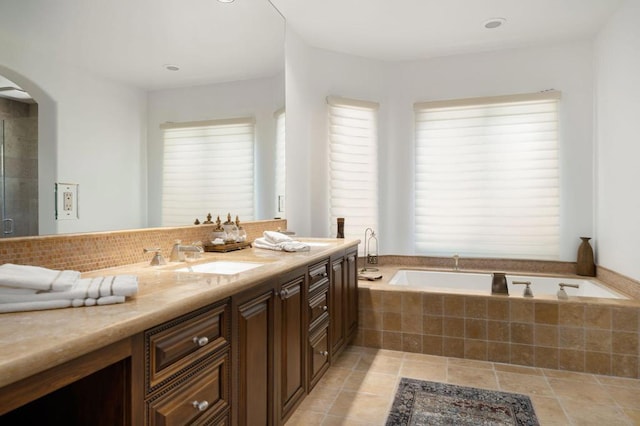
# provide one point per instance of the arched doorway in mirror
(18, 161)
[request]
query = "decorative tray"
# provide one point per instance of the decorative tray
(222, 248)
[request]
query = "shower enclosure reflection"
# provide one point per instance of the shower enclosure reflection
(18, 162)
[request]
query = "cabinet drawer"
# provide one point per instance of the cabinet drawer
(318, 305)
(318, 276)
(200, 396)
(318, 355)
(174, 346)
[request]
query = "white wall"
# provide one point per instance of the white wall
(617, 61)
(298, 139)
(398, 85)
(259, 98)
(566, 68)
(91, 132)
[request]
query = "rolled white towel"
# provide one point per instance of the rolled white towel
(263, 243)
(294, 246)
(276, 237)
(90, 301)
(94, 288)
(36, 277)
(290, 246)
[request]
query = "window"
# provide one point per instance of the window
(207, 168)
(487, 177)
(353, 165)
(280, 163)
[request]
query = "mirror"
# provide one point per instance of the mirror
(103, 90)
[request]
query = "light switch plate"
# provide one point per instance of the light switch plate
(66, 201)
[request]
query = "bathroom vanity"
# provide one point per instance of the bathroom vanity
(191, 347)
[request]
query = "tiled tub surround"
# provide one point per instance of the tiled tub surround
(590, 335)
(99, 250)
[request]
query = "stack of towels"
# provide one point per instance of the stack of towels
(33, 288)
(273, 240)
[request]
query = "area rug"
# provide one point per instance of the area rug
(419, 402)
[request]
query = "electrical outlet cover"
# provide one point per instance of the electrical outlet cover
(66, 201)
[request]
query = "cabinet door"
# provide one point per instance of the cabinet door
(351, 284)
(292, 343)
(254, 348)
(318, 355)
(337, 296)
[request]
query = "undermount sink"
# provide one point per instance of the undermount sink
(222, 267)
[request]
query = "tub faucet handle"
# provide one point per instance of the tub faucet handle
(562, 293)
(456, 258)
(527, 289)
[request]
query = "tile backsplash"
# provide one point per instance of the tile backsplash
(98, 250)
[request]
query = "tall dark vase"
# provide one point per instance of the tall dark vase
(586, 265)
(340, 227)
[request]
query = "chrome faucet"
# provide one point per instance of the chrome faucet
(178, 250)
(499, 283)
(157, 257)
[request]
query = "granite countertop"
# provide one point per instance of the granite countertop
(34, 341)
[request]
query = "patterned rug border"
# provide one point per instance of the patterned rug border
(405, 398)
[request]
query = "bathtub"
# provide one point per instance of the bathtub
(480, 284)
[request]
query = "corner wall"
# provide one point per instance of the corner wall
(617, 64)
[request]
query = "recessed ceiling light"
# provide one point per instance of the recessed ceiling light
(494, 23)
(226, 1)
(170, 67)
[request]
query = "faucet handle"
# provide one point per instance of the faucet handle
(527, 289)
(157, 257)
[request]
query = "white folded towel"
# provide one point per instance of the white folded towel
(94, 288)
(36, 277)
(290, 246)
(58, 303)
(84, 292)
(276, 237)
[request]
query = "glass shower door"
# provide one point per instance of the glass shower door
(7, 222)
(19, 177)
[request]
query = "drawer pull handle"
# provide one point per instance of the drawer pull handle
(324, 353)
(325, 308)
(200, 341)
(324, 274)
(200, 406)
(284, 293)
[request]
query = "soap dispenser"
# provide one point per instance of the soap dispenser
(242, 234)
(231, 229)
(218, 235)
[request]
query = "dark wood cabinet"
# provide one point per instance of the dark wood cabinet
(187, 367)
(351, 286)
(337, 297)
(291, 319)
(253, 348)
(249, 359)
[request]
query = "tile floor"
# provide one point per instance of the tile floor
(359, 389)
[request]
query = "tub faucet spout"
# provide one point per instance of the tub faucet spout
(499, 283)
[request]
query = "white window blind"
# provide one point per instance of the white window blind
(280, 162)
(353, 165)
(487, 177)
(208, 167)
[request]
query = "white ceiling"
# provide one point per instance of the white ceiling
(399, 30)
(131, 40)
